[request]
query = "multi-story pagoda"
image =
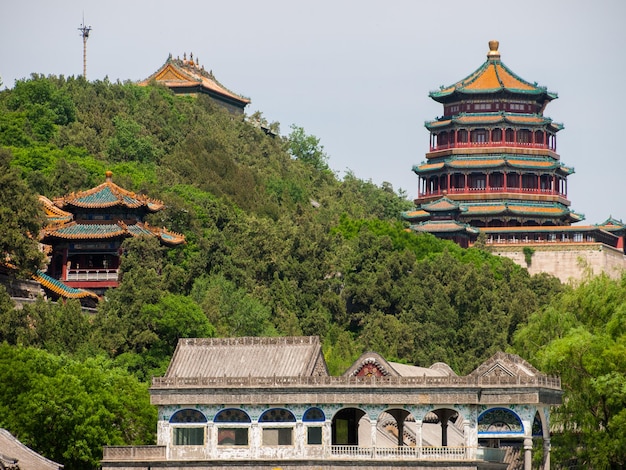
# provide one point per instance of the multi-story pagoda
(493, 166)
(85, 231)
(186, 76)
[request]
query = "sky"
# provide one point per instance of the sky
(356, 74)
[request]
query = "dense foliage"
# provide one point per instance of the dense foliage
(276, 245)
(581, 336)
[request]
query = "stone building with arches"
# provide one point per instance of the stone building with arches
(270, 403)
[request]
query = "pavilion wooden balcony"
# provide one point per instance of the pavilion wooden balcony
(469, 145)
(92, 274)
(490, 190)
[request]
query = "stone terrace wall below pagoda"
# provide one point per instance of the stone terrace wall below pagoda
(567, 262)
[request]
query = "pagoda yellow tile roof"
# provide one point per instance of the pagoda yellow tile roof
(54, 214)
(486, 209)
(492, 77)
(176, 73)
(61, 289)
(416, 214)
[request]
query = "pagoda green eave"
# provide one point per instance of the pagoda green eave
(492, 78)
(492, 119)
(491, 161)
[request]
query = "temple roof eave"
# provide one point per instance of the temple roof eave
(493, 161)
(176, 73)
(492, 77)
(463, 119)
(76, 231)
(446, 96)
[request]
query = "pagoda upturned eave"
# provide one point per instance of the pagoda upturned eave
(489, 119)
(186, 76)
(492, 78)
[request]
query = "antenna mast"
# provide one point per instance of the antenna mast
(84, 31)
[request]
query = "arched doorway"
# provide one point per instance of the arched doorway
(350, 426)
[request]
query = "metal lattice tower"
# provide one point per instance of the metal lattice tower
(84, 30)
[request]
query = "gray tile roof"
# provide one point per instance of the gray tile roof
(12, 449)
(247, 357)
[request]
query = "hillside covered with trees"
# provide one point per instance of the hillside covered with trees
(277, 244)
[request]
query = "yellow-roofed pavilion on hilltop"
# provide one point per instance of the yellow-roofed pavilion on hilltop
(186, 76)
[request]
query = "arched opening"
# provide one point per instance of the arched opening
(350, 426)
(188, 427)
(313, 419)
(500, 428)
(277, 425)
(232, 427)
(443, 427)
(396, 427)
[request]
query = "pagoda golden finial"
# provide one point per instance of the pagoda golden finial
(109, 175)
(493, 53)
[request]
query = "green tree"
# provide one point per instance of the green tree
(307, 148)
(67, 410)
(21, 217)
(581, 336)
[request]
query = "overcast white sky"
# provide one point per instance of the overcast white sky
(357, 74)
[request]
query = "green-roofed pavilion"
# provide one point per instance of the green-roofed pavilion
(85, 231)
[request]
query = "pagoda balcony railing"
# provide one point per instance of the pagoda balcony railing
(464, 145)
(92, 274)
(493, 189)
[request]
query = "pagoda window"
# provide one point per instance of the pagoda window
(512, 180)
(523, 136)
(545, 182)
(443, 182)
(529, 181)
(539, 137)
(496, 135)
(478, 181)
(457, 182)
(578, 237)
(496, 180)
(442, 139)
(509, 136)
(478, 136)
(462, 136)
